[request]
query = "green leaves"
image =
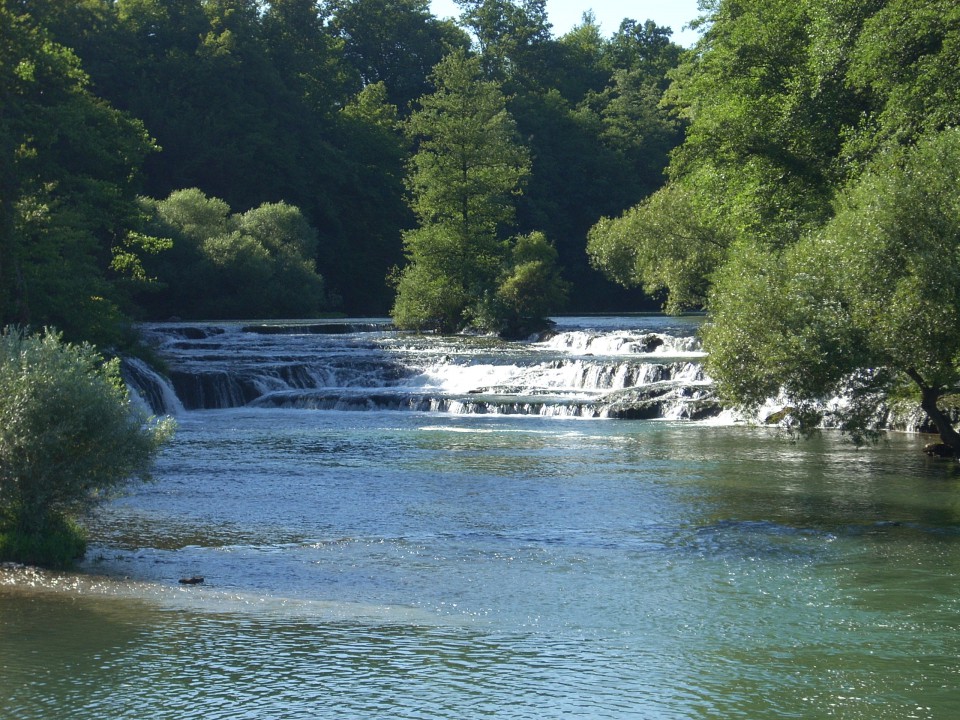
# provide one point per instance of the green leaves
(463, 180)
(669, 244)
(69, 435)
(870, 301)
(68, 164)
(258, 264)
(468, 164)
(908, 57)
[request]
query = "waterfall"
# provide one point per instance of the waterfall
(149, 388)
(585, 369)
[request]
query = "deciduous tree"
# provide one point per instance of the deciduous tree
(257, 264)
(867, 308)
(463, 180)
(67, 188)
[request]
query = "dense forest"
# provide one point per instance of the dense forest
(240, 158)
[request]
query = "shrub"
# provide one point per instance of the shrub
(69, 438)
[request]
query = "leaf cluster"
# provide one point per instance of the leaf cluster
(861, 308)
(257, 264)
(464, 178)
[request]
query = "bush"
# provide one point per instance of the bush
(69, 438)
(62, 542)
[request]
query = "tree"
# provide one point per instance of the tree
(305, 54)
(577, 63)
(645, 48)
(69, 437)
(225, 265)
(463, 180)
(68, 169)
(866, 308)
(797, 212)
(531, 288)
(768, 106)
(469, 165)
(394, 42)
(907, 59)
(513, 37)
(669, 244)
(377, 213)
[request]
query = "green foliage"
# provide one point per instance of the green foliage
(67, 165)
(599, 138)
(530, 289)
(468, 166)
(907, 57)
(513, 37)
(69, 437)
(865, 306)
(194, 214)
(394, 42)
(432, 293)
(462, 181)
(643, 48)
(298, 100)
(670, 243)
(62, 542)
(256, 264)
(812, 206)
(787, 103)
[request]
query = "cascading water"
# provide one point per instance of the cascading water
(583, 369)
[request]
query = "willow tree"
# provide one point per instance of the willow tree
(463, 181)
(797, 214)
(866, 309)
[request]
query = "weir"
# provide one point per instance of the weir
(581, 369)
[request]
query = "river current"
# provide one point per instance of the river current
(496, 546)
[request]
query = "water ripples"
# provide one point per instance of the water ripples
(367, 567)
(228, 665)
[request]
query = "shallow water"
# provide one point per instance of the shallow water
(408, 565)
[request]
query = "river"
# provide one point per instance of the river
(495, 547)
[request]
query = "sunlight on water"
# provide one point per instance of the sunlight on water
(409, 565)
(357, 566)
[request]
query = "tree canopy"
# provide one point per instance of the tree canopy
(257, 264)
(298, 102)
(812, 207)
(69, 437)
(867, 308)
(68, 215)
(463, 180)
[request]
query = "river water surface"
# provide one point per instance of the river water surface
(385, 564)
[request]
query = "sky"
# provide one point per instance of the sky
(564, 14)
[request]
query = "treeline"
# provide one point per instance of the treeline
(814, 207)
(235, 157)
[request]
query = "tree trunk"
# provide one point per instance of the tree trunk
(929, 398)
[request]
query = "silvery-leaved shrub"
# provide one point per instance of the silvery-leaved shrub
(69, 439)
